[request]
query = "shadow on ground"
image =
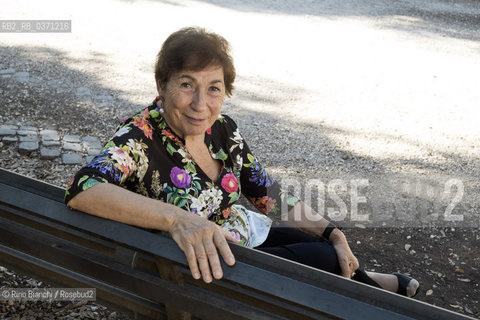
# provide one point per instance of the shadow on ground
(55, 94)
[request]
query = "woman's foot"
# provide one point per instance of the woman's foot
(396, 283)
(406, 285)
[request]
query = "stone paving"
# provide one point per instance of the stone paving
(72, 149)
(101, 98)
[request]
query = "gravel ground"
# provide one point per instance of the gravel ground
(380, 91)
(47, 310)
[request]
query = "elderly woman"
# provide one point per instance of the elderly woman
(180, 165)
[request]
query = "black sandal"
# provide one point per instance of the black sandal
(362, 276)
(403, 282)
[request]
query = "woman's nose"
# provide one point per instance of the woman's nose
(199, 101)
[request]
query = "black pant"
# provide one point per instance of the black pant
(313, 251)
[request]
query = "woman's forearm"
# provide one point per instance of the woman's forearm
(115, 203)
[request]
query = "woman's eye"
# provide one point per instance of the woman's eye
(215, 89)
(185, 85)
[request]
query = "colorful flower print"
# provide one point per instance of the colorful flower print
(107, 165)
(120, 132)
(138, 148)
(230, 183)
(123, 161)
(171, 136)
(237, 139)
(259, 175)
(143, 124)
(226, 212)
(265, 204)
(236, 235)
(180, 178)
(86, 182)
(207, 203)
(71, 182)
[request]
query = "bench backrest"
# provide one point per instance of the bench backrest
(40, 236)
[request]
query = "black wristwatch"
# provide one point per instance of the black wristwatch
(328, 230)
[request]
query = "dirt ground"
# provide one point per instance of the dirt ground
(385, 92)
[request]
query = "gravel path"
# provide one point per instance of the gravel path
(377, 92)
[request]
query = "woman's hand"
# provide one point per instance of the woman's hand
(199, 239)
(348, 262)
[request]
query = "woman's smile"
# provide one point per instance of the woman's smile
(194, 120)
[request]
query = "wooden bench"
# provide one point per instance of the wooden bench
(41, 237)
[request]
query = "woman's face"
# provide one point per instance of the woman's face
(192, 100)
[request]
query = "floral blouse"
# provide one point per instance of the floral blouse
(147, 157)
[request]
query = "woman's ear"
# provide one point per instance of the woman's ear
(159, 87)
